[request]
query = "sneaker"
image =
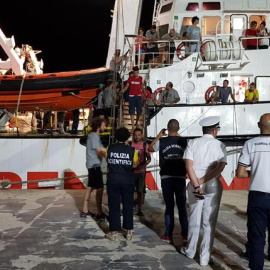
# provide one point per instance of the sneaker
(129, 236)
(140, 214)
(84, 215)
(183, 251)
(167, 239)
(101, 217)
(211, 262)
(244, 256)
(111, 236)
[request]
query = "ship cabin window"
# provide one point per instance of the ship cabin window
(163, 29)
(211, 5)
(186, 22)
(227, 24)
(166, 8)
(258, 19)
(192, 7)
(209, 24)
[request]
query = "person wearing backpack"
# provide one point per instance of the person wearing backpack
(262, 32)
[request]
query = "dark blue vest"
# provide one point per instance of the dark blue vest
(120, 159)
(171, 151)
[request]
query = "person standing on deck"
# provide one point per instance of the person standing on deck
(256, 155)
(173, 177)
(194, 33)
(94, 154)
(205, 159)
(135, 85)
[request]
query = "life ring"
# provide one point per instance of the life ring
(209, 93)
(179, 51)
(157, 92)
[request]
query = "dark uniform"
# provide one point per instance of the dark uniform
(120, 184)
(173, 181)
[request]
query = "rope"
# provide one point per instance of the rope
(19, 99)
(6, 182)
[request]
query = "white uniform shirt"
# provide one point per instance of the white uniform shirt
(205, 152)
(256, 153)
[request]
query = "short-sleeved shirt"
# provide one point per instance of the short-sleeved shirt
(251, 33)
(141, 154)
(172, 38)
(224, 94)
(250, 95)
(194, 32)
(149, 35)
(108, 97)
(135, 85)
(93, 142)
(169, 96)
(205, 152)
(256, 154)
(262, 33)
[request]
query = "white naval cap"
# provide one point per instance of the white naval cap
(210, 121)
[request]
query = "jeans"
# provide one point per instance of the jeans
(175, 187)
(258, 220)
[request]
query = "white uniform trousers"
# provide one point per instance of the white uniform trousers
(203, 215)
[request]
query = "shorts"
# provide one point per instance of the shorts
(135, 103)
(95, 179)
(140, 51)
(153, 52)
(139, 182)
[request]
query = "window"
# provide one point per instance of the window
(211, 5)
(166, 8)
(163, 29)
(192, 7)
(209, 25)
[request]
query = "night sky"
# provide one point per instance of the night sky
(72, 34)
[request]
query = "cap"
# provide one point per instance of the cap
(210, 121)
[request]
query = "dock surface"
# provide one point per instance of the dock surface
(42, 229)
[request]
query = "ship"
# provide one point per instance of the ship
(195, 76)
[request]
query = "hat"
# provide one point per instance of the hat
(210, 121)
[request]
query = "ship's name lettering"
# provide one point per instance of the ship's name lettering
(262, 143)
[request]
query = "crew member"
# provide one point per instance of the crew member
(205, 159)
(121, 159)
(256, 155)
(173, 177)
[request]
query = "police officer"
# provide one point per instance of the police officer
(256, 155)
(121, 159)
(205, 159)
(173, 177)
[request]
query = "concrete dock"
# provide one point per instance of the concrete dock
(42, 229)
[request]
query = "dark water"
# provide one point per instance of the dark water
(72, 35)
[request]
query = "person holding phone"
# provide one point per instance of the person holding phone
(205, 159)
(173, 177)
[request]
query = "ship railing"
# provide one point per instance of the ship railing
(181, 52)
(244, 41)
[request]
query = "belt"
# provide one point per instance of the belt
(259, 193)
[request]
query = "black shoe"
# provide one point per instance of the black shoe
(101, 217)
(244, 256)
(140, 214)
(83, 214)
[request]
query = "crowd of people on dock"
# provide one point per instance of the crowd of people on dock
(199, 162)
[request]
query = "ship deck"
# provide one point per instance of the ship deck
(41, 229)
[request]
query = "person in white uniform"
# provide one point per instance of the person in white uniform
(205, 159)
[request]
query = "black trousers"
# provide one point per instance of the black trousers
(120, 190)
